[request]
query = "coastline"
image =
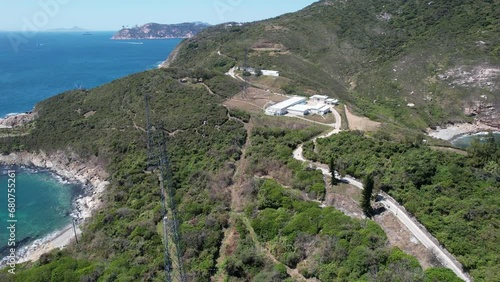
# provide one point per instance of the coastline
(89, 174)
(454, 131)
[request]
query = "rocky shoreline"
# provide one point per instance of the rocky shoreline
(17, 120)
(453, 131)
(90, 174)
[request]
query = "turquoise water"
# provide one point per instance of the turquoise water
(51, 63)
(465, 141)
(43, 205)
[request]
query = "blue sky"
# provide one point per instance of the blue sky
(112, 14)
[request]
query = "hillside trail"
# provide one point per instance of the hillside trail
(237, 204)
(293, 272)
(415, 227)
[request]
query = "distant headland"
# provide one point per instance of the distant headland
(160, 31)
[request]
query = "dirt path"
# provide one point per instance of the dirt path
(293, 272)
(237, 205)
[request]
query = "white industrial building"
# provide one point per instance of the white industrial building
(331, 101)
(270, 73)
(318, 98)
(320, 109)
(299, 110)
(280, 108)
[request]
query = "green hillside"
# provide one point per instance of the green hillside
(377, 55)
(123, 242)
(248, 210)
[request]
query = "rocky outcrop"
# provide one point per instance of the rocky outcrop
(160, 31)
(17, 120)
(481, 76)
(484, 111)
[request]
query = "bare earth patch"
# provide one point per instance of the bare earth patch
(344, 197)
(361, 123)
(254, 100)
(399, 236)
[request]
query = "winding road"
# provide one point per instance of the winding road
(431, 243)
(417, 229)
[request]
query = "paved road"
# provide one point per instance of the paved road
(447, 259)
(390, 204)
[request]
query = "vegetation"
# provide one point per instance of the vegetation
(273, 142)
(377, 56)
(326, 244)
(373, 55)
(366, 205)
(123, 240)
(451, 194)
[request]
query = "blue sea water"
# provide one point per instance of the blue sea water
(42, 204)
(51, 63)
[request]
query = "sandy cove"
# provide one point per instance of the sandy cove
(453, 131)
(90, 173)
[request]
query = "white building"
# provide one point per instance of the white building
(320, 109)
(318, 98)
(331, 101)
(270, 73)
(299, 110)
(280, 108)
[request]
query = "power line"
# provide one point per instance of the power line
(158, 159)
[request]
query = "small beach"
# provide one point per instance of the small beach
(454, 131)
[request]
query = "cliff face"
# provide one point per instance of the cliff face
(160, 31)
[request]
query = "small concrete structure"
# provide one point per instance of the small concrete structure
(318, 98)
(281, 108)
(270, 73)
(331, 101)
(299, 110)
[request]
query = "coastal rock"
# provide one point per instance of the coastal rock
(484, 112)
(69, 166)
(17, 120)
(90, 173)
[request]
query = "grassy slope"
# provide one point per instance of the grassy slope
(346, 49)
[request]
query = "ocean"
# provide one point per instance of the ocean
(49, 64)
(41, 202)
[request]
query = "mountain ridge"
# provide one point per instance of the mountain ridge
(378, 57)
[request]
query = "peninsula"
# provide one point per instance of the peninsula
(160, 31)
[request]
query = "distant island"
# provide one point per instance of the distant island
(72, 29)
(160, 31)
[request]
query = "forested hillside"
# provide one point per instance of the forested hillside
(441, 57)
(123, 241)
(451, 194)
(249, 211)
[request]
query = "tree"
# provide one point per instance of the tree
(368, 184)
(331, 166)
